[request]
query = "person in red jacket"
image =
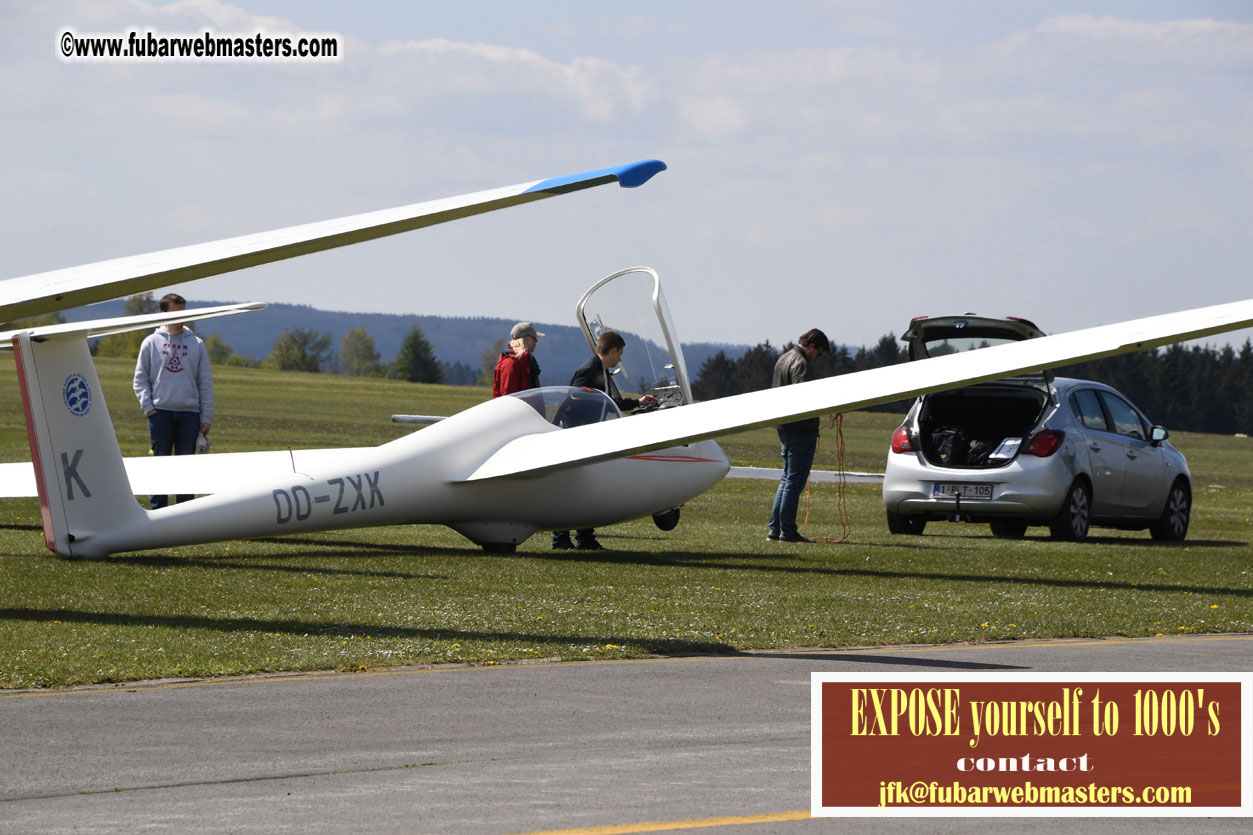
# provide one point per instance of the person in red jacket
(517, 370)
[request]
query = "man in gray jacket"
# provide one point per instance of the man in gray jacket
(174, 385)
(798, 440)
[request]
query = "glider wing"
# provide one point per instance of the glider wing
(122, 324)
(535, 454)
(59, 289)
(214, 472)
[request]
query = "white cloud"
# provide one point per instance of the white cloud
(929, 151)
(195, 110)
(224, 16)
(843, 215)
(1202, 32)
(713, 117)
(191, 219)
(773, 71)
(24, 181)
(634, 28)
(603, 88)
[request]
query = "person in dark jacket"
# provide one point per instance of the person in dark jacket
(517, 370)
(594, 374)
(798, 440)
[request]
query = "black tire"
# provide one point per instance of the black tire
(667, 520)
(1071, 522)
(912, 525)
(1008, 528)
(1172, 525)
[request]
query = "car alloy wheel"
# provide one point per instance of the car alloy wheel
(1071, 522)
(1172, 525)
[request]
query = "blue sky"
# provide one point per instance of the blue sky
(845, 165)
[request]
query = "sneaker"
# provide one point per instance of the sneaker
(589, 544)
(561, 542)
(794, 537)
(772, 534)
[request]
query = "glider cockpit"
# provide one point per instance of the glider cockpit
(630, 301)
(566, 406)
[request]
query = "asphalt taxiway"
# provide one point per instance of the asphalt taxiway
(703, 744)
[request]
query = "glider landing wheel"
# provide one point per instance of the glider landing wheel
(503, 548)
(667, 520)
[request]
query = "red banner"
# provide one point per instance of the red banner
(1110, 743)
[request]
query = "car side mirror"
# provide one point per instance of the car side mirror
(1158, 434)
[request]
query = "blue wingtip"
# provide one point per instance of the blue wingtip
(628, 176)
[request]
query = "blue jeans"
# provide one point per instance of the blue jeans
(172, 433)
(798, 457)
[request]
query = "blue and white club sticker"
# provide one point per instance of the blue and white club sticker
(76, 394)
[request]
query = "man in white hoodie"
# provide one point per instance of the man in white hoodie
(174, 385)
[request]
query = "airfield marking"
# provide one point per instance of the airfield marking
(669, 826)
(96, 690)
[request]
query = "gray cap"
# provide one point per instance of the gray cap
(524, 329)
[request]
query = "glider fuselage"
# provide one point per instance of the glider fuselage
(417, 479)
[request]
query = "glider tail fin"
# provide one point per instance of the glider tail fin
(81, 478)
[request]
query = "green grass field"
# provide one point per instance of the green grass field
(372, 598)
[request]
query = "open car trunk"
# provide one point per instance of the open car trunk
(980, 426)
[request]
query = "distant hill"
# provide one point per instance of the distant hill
(455, 339)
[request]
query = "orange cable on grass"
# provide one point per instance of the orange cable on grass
(837, 422)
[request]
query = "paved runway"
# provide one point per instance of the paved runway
(708, 744)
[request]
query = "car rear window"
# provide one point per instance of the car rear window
(957, 344)
(1087, 409)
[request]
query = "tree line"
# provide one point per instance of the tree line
(306, 349)
(298, 349)
(720, 376)
(1193, 388)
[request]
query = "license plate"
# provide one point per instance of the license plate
(965, 491)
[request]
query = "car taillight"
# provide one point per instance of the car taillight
(901, 441)
(1044, 443)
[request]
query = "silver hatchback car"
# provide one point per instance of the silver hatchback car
(1029, 450)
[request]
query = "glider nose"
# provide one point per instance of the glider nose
(714, 461)
(716, 453)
